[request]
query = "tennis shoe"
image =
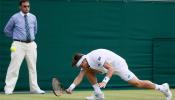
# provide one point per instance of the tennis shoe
(38, 92)
(96, 96)
(166, 91)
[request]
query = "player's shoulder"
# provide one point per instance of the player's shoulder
(96, 55)
(101, 50)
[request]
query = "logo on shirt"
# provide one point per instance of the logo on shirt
(99, 64)
(99, 58)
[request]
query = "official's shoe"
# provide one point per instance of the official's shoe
(96, 96)
(166, 91)
(8, 93)
(38, 92)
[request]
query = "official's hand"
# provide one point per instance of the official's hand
(68, 91)
(102, 85)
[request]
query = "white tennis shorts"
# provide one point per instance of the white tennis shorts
(123, 72)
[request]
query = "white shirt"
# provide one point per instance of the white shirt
(97, 58)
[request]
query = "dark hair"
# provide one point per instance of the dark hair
(76, 58)
(22, 1)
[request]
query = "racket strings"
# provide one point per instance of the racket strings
(58, 88)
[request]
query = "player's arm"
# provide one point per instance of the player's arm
(108, 75)
(79, 78)
(76, 82)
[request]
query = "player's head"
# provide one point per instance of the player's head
(24, 6)
(79, 60)
(76, 58)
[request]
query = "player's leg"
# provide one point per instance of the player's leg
(31, 58)
(97, 91)
(130, 77)
(141, 83)
(164, 88)
(17, 57)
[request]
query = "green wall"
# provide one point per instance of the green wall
(127, 28)
(164, 60)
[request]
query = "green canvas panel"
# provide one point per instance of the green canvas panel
(164, 60)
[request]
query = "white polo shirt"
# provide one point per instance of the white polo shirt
(97, 58)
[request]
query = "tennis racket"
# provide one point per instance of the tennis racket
(58, 88)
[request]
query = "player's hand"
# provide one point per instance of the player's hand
(68, 91)
(102, 85)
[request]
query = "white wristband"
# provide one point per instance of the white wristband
(106, 79)
(72, 86)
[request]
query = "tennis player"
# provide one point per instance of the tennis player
(105, 61)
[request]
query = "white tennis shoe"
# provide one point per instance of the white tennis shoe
(166, 91)
(96, 96)
(38, 92)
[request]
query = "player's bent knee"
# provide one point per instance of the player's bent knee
(142, 84)
(138, 84)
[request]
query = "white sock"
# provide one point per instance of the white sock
(96, 88)
(159, 87)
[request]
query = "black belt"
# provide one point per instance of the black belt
(27, 41)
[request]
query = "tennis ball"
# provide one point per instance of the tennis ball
(12, 49)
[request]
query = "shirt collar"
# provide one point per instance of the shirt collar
(23, 13)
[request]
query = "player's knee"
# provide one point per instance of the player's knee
(138, 84)
(142, 84)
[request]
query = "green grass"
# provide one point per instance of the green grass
(80, 95)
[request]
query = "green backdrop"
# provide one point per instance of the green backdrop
(131, 29)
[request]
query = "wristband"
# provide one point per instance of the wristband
(72, 86)
(106, 79)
